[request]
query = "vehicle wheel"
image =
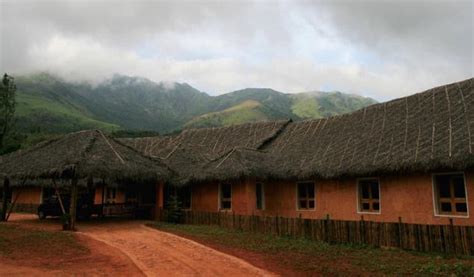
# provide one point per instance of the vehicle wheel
(41, 215)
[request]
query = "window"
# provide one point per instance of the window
(131, 196)
(260, 196)
(450, 194)
(47, 194)
(111, 193)
(225, 196)
(369, 195)
(184, 196)
(306, 196)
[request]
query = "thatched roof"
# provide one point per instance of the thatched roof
(215, 141)
(236, 163)
(83, 155)
(426, 131)
(190, 151)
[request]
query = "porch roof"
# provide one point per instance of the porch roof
(83, 156)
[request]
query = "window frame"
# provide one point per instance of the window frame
(113, 194)
(262, 185)
(358, 196)
(436, 197)
(298, 208)
(220, 208)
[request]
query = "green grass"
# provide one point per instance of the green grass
(305, 107)
(318, 105)
(247, 111)
(30, 105)
(16, 242)
(320, 257)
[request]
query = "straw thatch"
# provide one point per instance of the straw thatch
(83, 155)
(237, 163)
(189, 152)
(432, 130)
(215, 141)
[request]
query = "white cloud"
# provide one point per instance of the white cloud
(379, 50)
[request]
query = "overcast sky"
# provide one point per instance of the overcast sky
(381, 49)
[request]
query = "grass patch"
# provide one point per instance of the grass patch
(17, 242)
(304, 255)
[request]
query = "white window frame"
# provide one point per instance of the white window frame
(359, 208)
(219, 208)
(435, 193)
(298, 200)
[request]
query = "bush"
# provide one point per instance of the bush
(174, 211)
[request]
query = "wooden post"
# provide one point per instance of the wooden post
(56, 191)
(72, 209)
(400, 234)
(159, 191)
(60, 200)
(13, 204)
(103, 198)
(452, 233)
(6, 189)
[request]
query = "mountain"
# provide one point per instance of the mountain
(266, 104)
(317, 104)
(140, 104)
(247, 111)
(47, 104)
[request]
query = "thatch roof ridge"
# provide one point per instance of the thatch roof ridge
(214, 128)
(425, 131)
(215, 140)
(151, 158)
(234, 164)
(84, 154)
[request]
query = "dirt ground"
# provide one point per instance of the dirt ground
(126, 248)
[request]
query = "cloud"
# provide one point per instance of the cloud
(375, 48)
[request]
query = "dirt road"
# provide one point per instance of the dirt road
(158, 253)
(126, 247)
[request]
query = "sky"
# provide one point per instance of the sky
(381, 49)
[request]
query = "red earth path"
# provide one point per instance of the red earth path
(130, 248)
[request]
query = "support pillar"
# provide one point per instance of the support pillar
(72, 209)
(6, 188)
(159, 191)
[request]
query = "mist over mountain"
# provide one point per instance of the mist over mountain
(48, 104)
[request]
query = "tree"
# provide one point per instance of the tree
(7, 106)
(174, 212)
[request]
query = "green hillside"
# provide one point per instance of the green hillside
(35, 113)
(247, 111)
(324, 104)
(271, 105)
(48, 105)
(45, 104)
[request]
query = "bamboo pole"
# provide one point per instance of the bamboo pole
(56, 191)
(13, 204)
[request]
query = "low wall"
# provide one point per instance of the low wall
(24, 208)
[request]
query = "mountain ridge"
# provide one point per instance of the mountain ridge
(49, 104)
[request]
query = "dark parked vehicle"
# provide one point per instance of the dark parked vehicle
(52, 207)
